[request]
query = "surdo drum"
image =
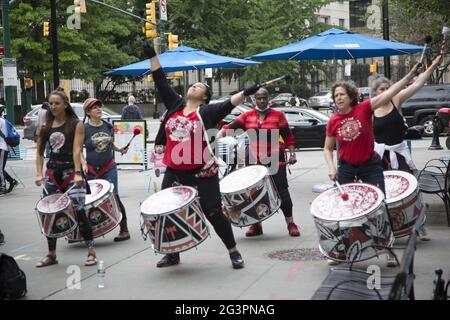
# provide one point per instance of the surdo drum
(174, 220)
(101, 209)
(404, 201)
(353, 229)
(249, 196)
(56, 215)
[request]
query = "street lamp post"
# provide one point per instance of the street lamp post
(387, 59)
(9, 90)
(54, 37)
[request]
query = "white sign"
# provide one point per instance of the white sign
(348, 68)
(163, 10)
(208, 73)
(9, 72)
(124, 134)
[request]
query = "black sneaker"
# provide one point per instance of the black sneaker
(2, 238)
(12, 185)
(236, 260)
(168, 260)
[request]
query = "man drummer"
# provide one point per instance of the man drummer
(260, 123)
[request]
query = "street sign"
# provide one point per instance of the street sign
(163, 10)
(9, 72)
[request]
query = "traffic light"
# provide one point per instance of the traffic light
(373, 67)
(173, 41)
(80, 6)
(150, 29)
(46, 28)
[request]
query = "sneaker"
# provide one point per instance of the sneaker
(2, 238)
(391, 262)
(123, 235)
(157, 173)
(423, 234)
(236, 260)
(12, 185)
(168, 260)
(3, 191)
(254, 230)
(332, 262)
(293, 229)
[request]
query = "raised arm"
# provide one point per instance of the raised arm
(387, 96)
(419, 83)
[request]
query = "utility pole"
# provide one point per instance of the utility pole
(54, 37)
(387, 59)
(9, 90)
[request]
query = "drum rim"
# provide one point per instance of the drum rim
(408, 192)
(379, 202)
(194, 196)
(53, 194)
(101, 194)
(247, 187)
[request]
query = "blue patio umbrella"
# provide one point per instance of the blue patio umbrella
(337, 44)
(183, 58)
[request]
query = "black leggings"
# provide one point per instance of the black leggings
(210, 200)
(4, 176)
(281, 183)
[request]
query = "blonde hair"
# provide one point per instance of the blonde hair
(131, 100)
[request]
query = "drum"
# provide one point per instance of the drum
(56, 215)
(174, 220)
(101, 210)
(404, 201)
(249, 196)
(353, 229)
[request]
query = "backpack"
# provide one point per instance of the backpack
(13, 282)
(131, 113)
(12, 138)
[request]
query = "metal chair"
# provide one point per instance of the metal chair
(434, 179)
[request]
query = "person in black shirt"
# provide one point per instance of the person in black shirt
(65, 134)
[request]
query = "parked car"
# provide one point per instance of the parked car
(30, 119)
(364, 93)
(308, 126)
(422, 107)
(321, 100)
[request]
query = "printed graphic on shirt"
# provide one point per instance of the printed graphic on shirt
(57, 140)
(350, 129)
(180, 128)
(101, 141)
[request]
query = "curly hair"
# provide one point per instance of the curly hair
(351, 89)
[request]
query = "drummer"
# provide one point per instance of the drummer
(99, 163)
(265, 120)
(352, 127)
(182, 133)
(65, 134)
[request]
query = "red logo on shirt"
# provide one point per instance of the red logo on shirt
(180, 128)
(349, 129)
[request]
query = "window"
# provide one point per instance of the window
(341, 22)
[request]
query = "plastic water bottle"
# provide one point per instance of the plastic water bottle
(101, 272)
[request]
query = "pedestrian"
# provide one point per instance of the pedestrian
(65, 133)
(390, 129)
(131, 111)
(100, 147)
(351, 126)
(182, 129)
(4, 151)
(264, 120)
(156, 158)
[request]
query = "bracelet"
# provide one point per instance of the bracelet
(78, 172)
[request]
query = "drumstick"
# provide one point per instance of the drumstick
(136, 131)
(344, 196)
(428, 40)
(285, 77)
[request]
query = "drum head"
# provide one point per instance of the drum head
(99, 188)
(168, 200)
(399, 185)
(53, 203)
(362, 199)
(242, 179)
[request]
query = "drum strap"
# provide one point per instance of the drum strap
(65, 183)
(100, 174)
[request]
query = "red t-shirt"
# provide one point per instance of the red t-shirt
(261, 146)
(354, 133)
(185, 145)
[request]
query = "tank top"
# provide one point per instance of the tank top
(61, 146)
(389, 129)
(98, 142)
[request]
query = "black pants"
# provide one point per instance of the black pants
(4, 176)
(281, 183)
(370, 172)
(210, 200)
(402, 165)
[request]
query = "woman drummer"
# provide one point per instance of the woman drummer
(351, 126)
(182, 133)
(65, 134)
(99, 164)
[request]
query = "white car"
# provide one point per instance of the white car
(321, 100)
